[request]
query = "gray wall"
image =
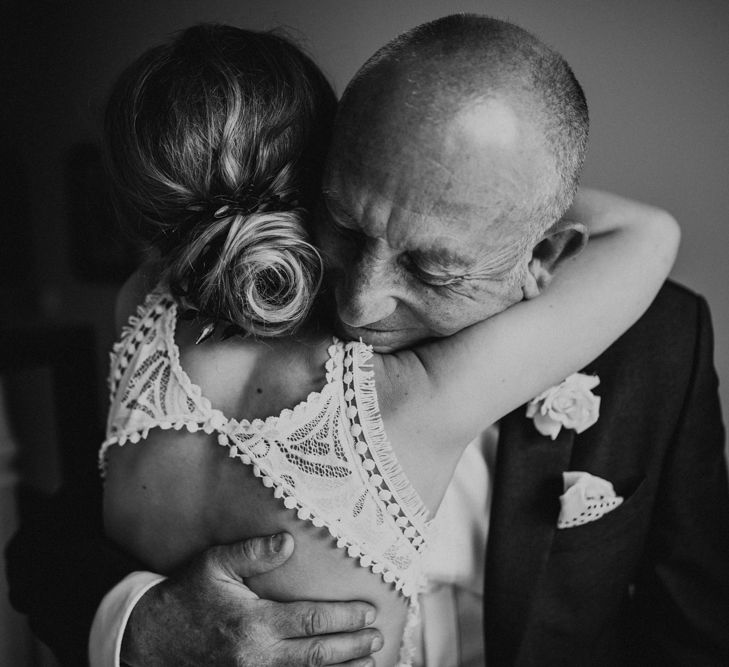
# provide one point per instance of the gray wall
(655, 73)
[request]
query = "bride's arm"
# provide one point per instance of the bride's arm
(445, 392)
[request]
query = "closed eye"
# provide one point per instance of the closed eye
(428, 277)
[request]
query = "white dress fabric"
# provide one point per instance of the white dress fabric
(328, 458)
(452, 606)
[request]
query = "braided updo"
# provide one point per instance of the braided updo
(215, 145)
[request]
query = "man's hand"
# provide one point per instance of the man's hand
(205, 615)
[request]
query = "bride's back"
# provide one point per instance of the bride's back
(178, 492)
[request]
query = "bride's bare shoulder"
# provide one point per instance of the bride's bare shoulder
(246, 378)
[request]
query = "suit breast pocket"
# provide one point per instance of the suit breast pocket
(612, 528)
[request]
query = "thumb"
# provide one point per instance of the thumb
(255, 555)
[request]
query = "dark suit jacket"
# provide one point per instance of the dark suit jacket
(648, 582)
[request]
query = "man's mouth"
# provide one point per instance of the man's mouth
(381, 330)
(381, 339)
(372, 329)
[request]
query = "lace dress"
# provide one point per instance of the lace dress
(328, 458)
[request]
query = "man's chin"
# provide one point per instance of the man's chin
(382, 340)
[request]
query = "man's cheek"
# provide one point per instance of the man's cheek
(451, 315)
(493, 298)
(447, 316)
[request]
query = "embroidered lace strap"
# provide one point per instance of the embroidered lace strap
(256, 444)
(148, 387)
(312, 460)
(378, 457)
(136, 330)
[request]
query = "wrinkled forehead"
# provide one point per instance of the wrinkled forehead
(444, 231)
(464, 186)
(481, 159)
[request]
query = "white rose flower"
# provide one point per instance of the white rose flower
(570, 404)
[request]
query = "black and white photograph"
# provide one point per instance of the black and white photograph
(364, 333)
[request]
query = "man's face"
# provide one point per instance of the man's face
(420, 243)
(400, 278)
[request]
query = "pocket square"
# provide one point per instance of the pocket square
(586, 498)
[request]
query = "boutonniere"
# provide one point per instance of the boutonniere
(571, 404)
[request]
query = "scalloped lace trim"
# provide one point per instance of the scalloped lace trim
(132, 328)
(306, 513)
(372, 435)
(156, 304)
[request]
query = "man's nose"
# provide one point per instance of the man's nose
(368, 293)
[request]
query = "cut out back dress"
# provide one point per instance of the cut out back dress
(328, 459)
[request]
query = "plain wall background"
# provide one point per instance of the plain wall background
(656, 75)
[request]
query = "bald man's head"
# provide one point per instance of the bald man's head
(456, 149)
(463, 91)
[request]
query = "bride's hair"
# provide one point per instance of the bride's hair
(215, 144)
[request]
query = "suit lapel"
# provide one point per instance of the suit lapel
(525, 506)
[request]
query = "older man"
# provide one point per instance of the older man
(431, 118)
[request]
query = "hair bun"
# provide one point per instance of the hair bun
(255, 270)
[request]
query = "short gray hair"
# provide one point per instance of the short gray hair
(457, 59)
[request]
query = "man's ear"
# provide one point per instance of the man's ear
(564, 239)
